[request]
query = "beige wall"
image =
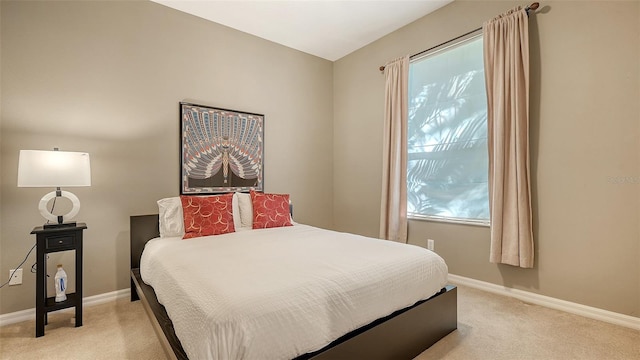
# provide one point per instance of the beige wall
(585, 72)
(106, 78)
(2, 266)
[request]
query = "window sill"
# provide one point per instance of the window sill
(482, 223)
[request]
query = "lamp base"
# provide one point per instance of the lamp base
(63, 225)
(57, 220)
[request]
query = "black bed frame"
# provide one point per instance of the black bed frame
(401, 335)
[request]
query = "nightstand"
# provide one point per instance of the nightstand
(49, 240)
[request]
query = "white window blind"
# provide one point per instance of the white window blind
(447, 169)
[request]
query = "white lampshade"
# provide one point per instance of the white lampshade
(40, 168)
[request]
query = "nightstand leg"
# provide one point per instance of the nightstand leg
(79, 289)
(40, 291)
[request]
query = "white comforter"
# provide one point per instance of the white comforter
(282, 292)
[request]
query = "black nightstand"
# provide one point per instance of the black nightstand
(49, 240)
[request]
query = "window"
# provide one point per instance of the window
(447, 167)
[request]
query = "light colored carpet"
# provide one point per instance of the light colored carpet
(490, 327)
(114, 330)
(501, 328)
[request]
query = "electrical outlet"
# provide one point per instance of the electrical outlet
(16, 279)
(430, 244)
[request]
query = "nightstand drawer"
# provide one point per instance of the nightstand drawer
(54, 242)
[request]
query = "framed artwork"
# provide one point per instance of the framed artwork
(220, 150)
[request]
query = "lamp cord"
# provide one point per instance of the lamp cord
(18, 267)
(53, 206)
(33, 267)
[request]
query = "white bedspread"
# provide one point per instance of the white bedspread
(282, 292)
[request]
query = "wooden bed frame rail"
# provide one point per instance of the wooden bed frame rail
(401, 335)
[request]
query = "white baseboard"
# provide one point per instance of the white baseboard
(553, 303)
(30, 314)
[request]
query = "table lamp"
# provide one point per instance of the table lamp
(43, 168)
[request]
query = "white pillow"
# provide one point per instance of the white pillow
(235, 208)
(246, 210)
(171, 218)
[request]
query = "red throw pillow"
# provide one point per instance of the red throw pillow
(270, 210)
(207, 215)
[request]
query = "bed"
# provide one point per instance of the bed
(401, 332)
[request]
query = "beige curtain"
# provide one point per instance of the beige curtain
(506, 61)
(393, 214)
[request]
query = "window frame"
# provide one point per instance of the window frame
(444, 219)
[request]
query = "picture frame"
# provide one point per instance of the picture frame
(221, 150)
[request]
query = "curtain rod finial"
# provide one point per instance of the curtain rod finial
(382, 68)
(533, 6)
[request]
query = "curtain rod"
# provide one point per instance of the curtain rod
(533, 6)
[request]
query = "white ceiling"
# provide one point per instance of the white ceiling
(329, 29)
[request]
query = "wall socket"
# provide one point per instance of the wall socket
(16, 279)
(430, 244)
